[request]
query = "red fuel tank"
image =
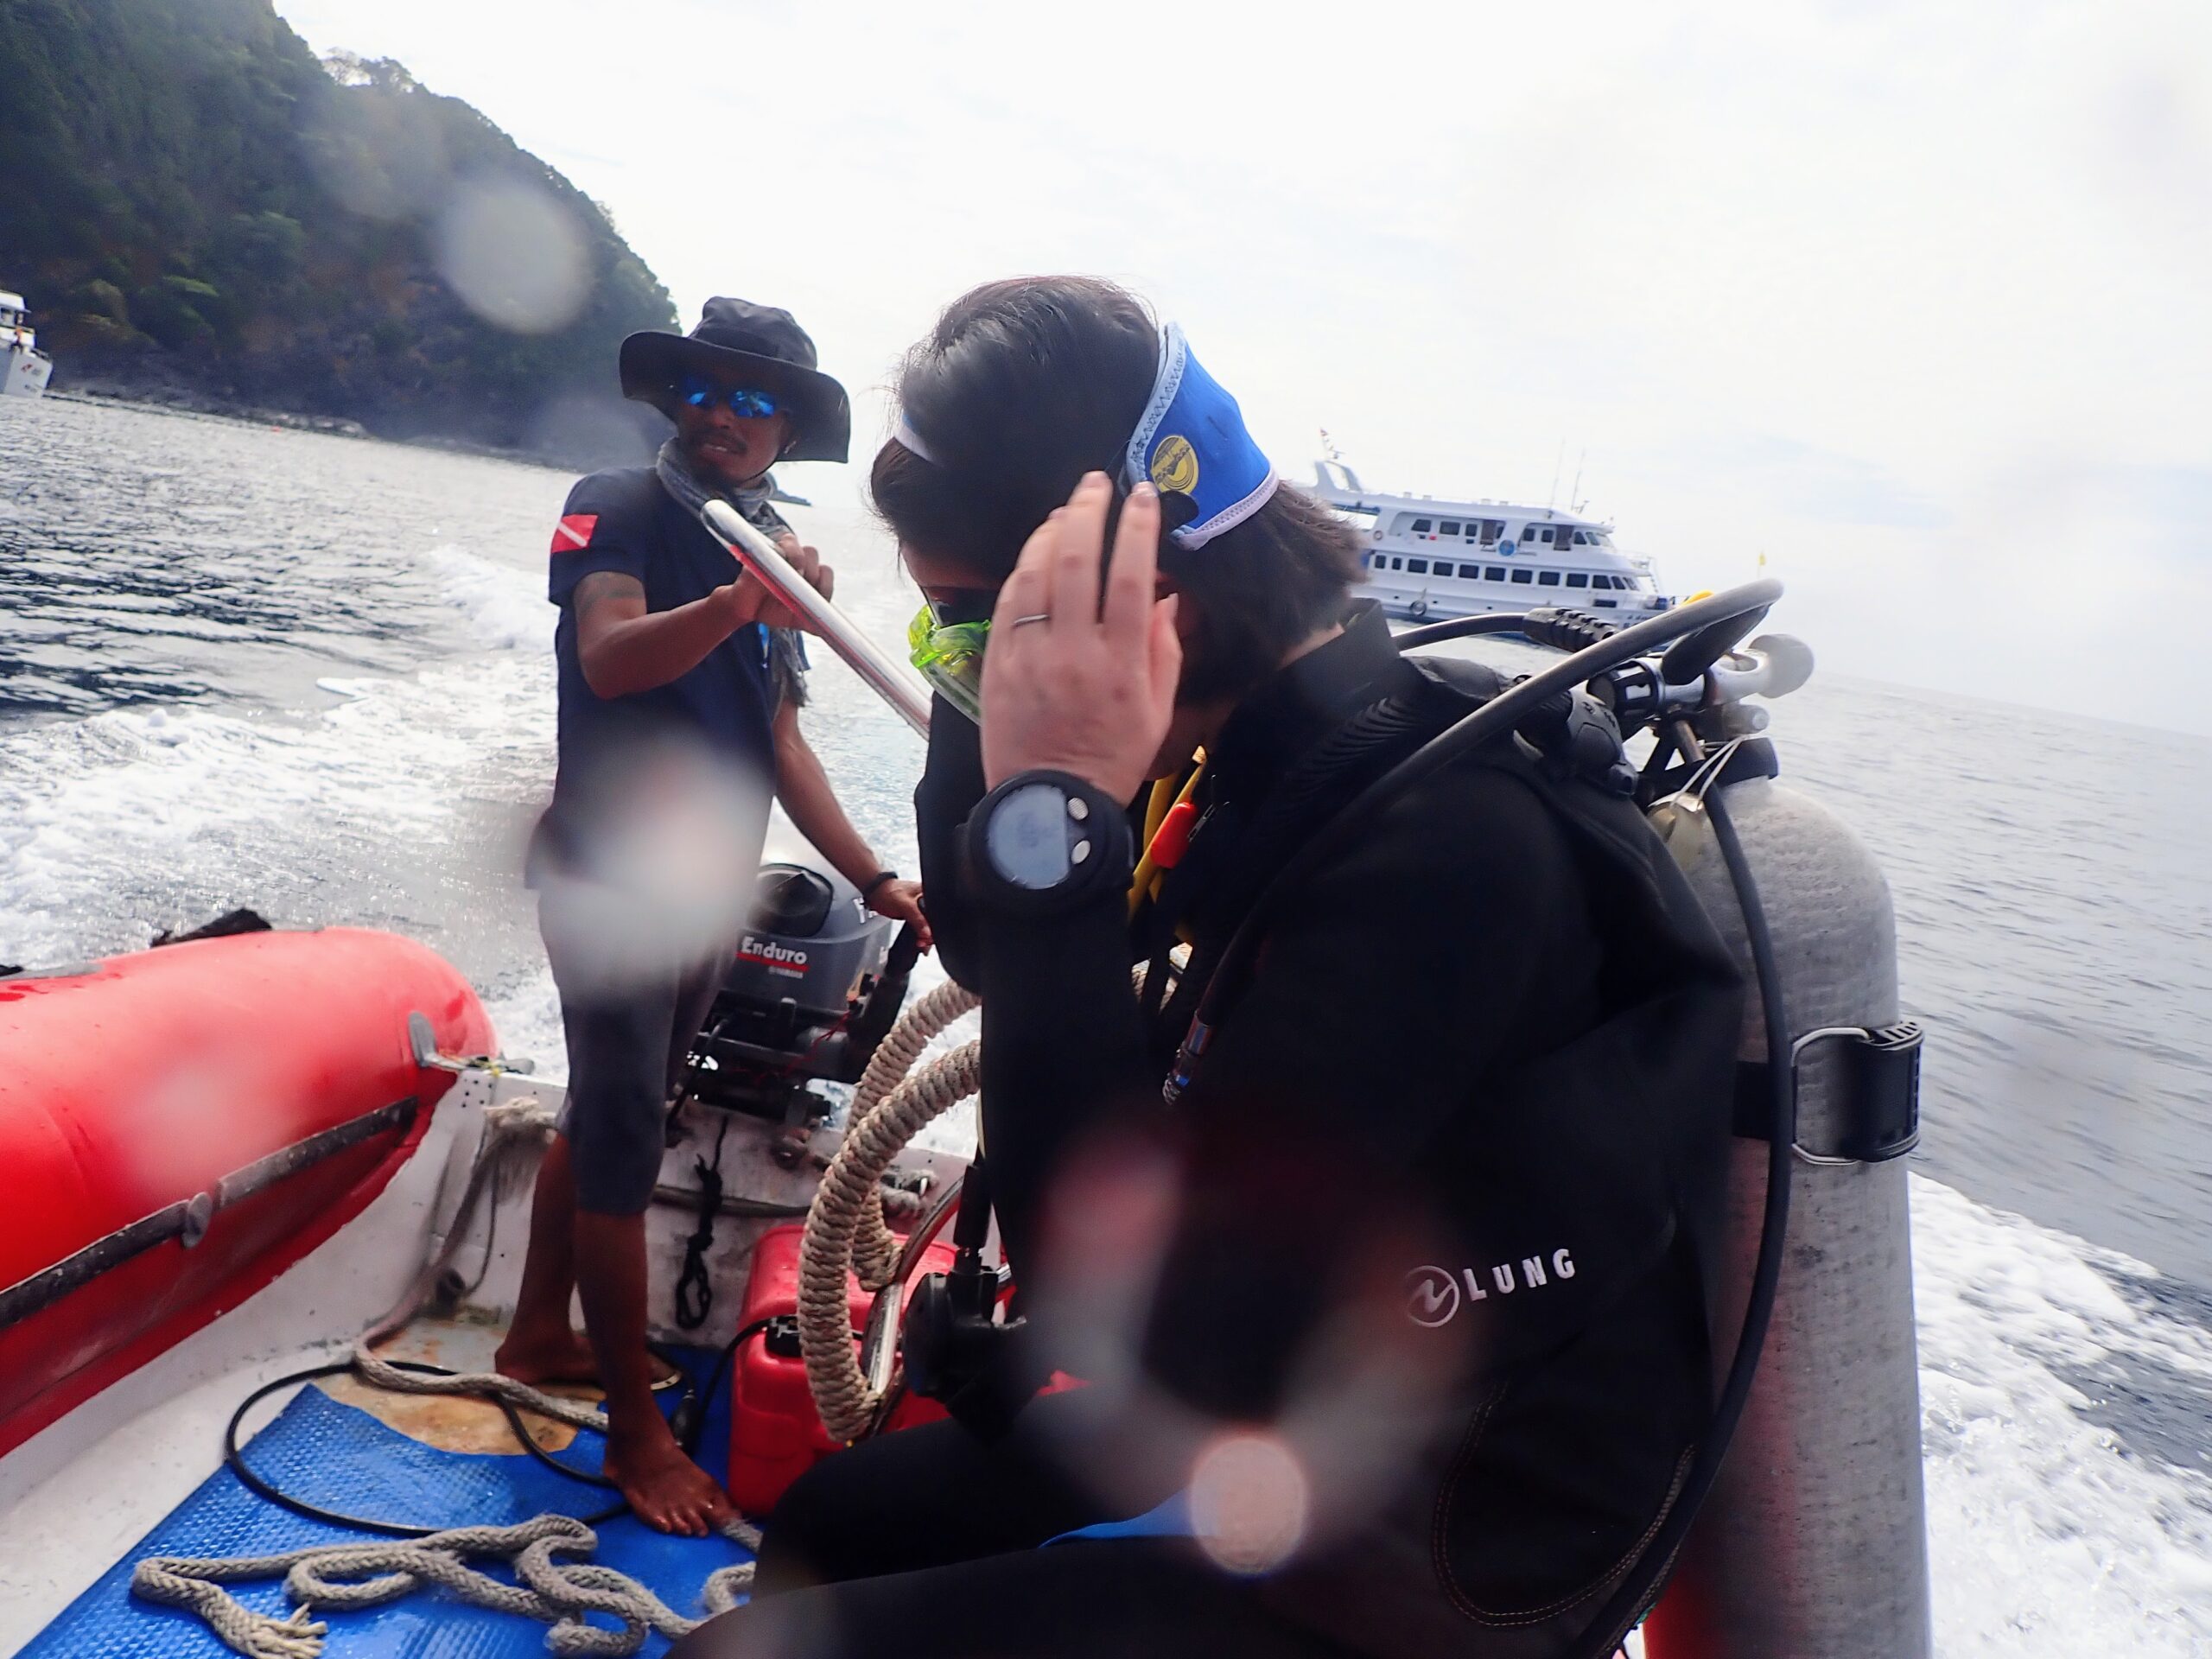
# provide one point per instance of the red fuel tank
(775, 1433)
(179, 1126)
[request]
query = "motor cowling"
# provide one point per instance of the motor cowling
(1813, 1541)
(816, 980)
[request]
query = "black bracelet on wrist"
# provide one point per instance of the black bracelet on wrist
(875, 881)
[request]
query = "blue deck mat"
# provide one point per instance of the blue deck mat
(340, 1457)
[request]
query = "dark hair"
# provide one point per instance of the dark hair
(1023, 387)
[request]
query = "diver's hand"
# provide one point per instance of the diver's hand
(1091, 690)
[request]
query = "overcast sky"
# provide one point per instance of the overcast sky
(1909, 298)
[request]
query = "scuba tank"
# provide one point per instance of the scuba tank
(1812, 1542)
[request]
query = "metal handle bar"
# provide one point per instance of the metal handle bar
(885, 675)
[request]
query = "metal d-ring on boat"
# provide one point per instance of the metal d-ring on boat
(886, 676)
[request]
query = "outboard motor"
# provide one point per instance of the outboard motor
(817, 981)
(1813, 1540)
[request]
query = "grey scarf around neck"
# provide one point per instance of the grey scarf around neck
(786, 655)
(694, 491)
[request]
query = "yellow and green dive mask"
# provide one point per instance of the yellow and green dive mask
(946, 645)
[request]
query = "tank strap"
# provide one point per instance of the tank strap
(1880, 1116)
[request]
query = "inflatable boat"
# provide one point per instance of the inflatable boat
(267, 1202)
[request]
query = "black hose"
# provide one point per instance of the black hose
(1501, 715)
(1460, 627)
(234, 1459)
(1630, 1601)
(695, 1287)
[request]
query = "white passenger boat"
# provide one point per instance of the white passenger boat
(27, 369)
(1429, 557)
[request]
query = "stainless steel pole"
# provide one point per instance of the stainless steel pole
(889, 678)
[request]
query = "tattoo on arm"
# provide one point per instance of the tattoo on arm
(602, 587)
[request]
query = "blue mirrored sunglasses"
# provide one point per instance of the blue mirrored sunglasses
(749, 402)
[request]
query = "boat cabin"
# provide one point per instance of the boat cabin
(1423, 557)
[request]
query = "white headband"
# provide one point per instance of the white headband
(903, 429)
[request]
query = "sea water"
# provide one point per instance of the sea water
(310, 675)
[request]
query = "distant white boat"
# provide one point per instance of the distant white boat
(1432, 558)
(27, 368)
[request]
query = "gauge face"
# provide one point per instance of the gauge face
(1029, 837)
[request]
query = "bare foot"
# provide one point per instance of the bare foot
(558, 1357)
(666, 1489)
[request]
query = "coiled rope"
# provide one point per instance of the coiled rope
(845, 1230)
(350, 1577)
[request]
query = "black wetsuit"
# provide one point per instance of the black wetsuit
(1446, 1221)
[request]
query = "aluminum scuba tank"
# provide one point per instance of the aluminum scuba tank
(1812, 1543)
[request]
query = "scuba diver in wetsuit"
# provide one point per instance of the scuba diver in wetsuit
(1394, 1288)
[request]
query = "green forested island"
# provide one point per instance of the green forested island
(198, 208)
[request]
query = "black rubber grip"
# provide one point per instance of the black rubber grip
(1564, 630)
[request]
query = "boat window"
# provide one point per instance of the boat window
(1419, 567)
(1471, 573)
(1422, 526)
(1397, 564)
(1606, 604)
(1496, 573)
(1545, 535)
(1525, 576)
(1449, 527)
(1578, 579)
(1492, 529)
(1547, 578)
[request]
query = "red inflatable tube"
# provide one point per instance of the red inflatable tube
(180, 1126)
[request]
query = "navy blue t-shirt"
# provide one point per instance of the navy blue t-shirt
(624, 520)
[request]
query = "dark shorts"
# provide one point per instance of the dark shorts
(628, 1034)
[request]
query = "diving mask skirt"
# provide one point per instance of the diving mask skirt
(1190, 442)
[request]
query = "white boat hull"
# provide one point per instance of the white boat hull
(27, 374)
(1438, 602)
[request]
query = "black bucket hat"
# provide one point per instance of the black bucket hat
(763, 344)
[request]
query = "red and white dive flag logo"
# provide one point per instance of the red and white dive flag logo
(575, 532)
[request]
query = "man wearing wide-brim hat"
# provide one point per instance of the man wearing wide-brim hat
(680, 681)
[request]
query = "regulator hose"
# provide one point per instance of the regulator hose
(1633, 1600)
(1500, 716)
(1706, 619)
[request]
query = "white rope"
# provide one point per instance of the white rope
(845, 1225)
(489, 1385)
(348, 1577)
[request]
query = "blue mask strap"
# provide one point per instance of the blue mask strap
(1191, 443)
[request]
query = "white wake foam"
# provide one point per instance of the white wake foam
(2048, 1534)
